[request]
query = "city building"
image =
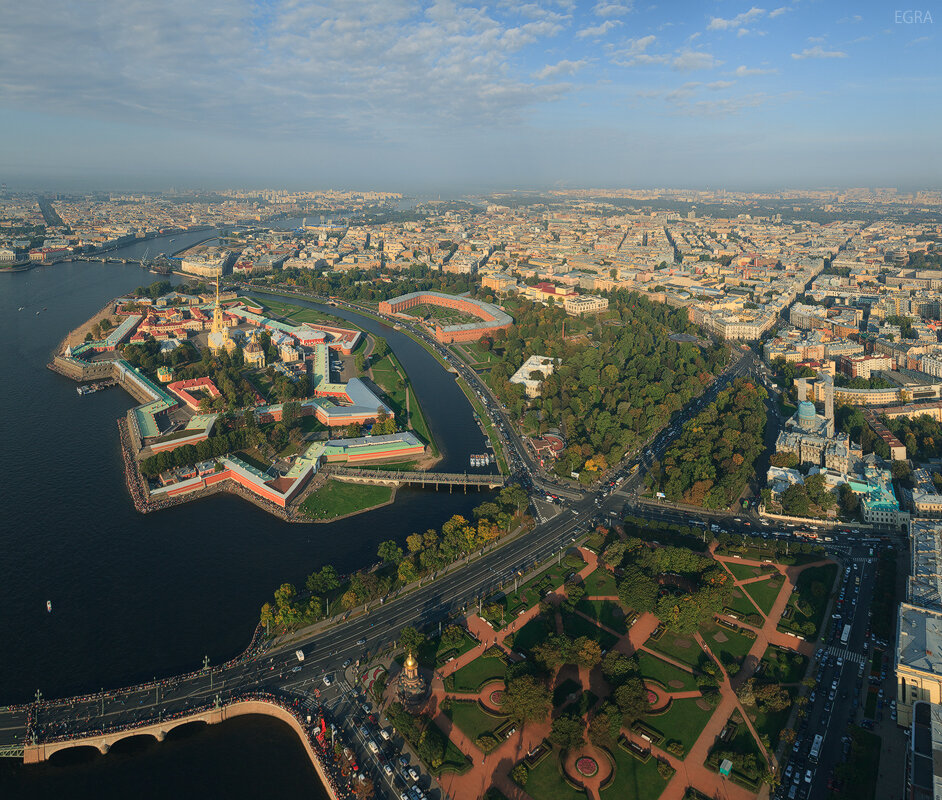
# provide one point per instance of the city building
(541, 365)
(585, 304)
(492, 319)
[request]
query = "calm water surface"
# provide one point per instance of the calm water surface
(136, 596)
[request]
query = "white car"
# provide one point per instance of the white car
(384, 732)
(388, 770)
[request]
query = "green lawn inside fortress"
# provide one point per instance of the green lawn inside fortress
(336, 499)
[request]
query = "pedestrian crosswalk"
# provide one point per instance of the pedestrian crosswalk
(846, 654)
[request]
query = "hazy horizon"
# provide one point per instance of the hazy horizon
(447, 97)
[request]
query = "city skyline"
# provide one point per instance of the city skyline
(445, 96)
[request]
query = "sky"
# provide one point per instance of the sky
(453, 96)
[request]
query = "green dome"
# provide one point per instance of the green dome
(806, 410)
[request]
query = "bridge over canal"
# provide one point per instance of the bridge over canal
(382, 477)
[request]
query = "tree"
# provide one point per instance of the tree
(324, 581)
(526, 700)
(605, 726)
(411, 639)
(638, 591)
(588, 652)
(617, 668)
(795, 500)
(632, 699)
(431, 747)
(520, 774)
(574, 593)
(568, 731)
(390, 552)
(554, 651)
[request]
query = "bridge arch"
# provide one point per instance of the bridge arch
(41, 752)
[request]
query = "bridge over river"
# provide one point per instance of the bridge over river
(383, 477)
(269, 674)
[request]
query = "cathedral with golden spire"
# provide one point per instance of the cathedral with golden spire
(219, 338)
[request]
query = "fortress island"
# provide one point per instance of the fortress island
(232, 398)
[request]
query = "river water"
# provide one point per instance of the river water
(137, 596)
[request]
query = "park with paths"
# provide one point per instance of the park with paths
(638, 709)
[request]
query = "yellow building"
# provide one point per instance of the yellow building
(219, 338)
(918, 659)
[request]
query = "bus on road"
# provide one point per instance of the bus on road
(815, 749)
(845, 635)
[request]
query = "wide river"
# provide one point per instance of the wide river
(136, 596)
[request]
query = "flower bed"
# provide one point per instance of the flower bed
(587, 767)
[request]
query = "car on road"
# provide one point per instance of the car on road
(361, 642)
(328, 680)
(296, 669)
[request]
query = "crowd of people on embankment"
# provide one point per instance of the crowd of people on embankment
(330, 767)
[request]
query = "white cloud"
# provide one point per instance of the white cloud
(816, 39)
(688, 60)
(853, 20)
(918, 40)
(716, 85)
(720, 24)
(777, 12)
(609, 9)
(818, 52)
(338, 66)
(563, 67)
(598, 30)
(743, 71)
(635, 54)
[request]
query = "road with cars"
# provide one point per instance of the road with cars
(329, 655)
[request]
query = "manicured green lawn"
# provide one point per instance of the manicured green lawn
(741, 606)
(632, 779)
(387, 378)
(334, 499)
(765, 593)
(601, 583)
(454, 760)
(607, 612)
(547, 783)
(683, 721)
(743, 571)
(680, 648)
(472, 676)
(417, 420)
(530, 593)
(576, 626)
(530, 634)
(433, 651)
(736, 646)
(653, 667)
(471, 719)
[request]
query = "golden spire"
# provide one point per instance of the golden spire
(410, 662)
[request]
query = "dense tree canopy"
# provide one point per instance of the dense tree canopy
(712, 460)
(619, 380)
